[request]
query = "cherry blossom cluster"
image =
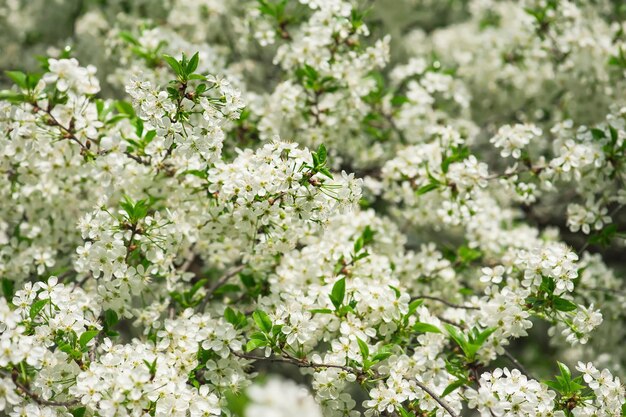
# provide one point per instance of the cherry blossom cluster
(334, 208)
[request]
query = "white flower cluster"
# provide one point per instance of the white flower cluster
(509, 392)
(514, 139)
(391, 198)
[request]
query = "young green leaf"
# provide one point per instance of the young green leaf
(484, 335)
(86, 337)
(192, 64)
(8, 289)
(427, 188)
(453, 386)
(36, 307)
(175, 65)
(321, 154)
(338, 292)
(255, 344)
(230, 316)
(110, 318)
(79, 412)
(425, 328)
(562, 304)
(413, 306)
(18, 77)
(365, 351)
(262, 320)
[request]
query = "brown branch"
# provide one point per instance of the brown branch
(301, 363)
(220, 281)
(136, 158)
(35, 397)
(437, 398)
(69, 133)
(517, 364)
(305, 363)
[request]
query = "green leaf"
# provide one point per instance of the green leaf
(605, 236)
(321, 311)
(381, 356)
(201, 88)
(396, 291)
(36, 307)
(110, 318)
(79, 412)
(128, 37)
(247, 280)
(125, 107)
(193, 64)
(425, 328)
(86, 337)
(226, 288)
(484, 335)
(266, 9)
(230, 316)
(468, 255)
(32, 80)
(458, 154)
(8, 289)
(358, 244)
(18, 78)
(427, 188)
(13, 97)
(365, 350)
(614, 134)
(324, 171)
(196, 287)
(236, 318)
(135, 210)
(338, 293)
(405, 413)
(397, 101)
(262, 320)
(366, 237)
(459, 338)
(175, 65)
(316, 160)
(562, 304)
(453, 386)
(255, 344)
(196, 173)
(310, 72)
(413, 306)
(597, 134)
(321, 154)
(565, 372)
(554, 385)
(151, 366)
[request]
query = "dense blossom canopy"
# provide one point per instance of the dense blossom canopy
(337, 208)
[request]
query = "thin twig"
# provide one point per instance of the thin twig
(136, 158)
(220, 281)
(517, 364)
(301, 363)
(35, 397)
(305, 363)
(69, 133)
(441, 300)
(437, 398)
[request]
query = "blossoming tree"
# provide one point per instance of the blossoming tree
(275, 208)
